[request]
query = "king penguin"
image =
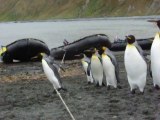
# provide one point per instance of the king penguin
(110, 67)
(155, 60)
(51, 71)
(85, 63)
(135, 65)
(96, 67)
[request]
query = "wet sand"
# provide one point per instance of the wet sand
(26, 94)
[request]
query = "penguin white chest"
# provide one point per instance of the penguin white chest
(155, 61)
(107, 64)
(97, 69)
(85, 65)
(50, 74)
(96, 66)
(134, 63)
(109, 70)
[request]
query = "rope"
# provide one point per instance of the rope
(60, 94)
(64, 104)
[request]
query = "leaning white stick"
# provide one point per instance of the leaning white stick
(63, 57)
(64, 104)
(62, 60)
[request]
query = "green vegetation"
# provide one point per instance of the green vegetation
(13, 10)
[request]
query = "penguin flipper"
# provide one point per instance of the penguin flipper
(116, 70)
(88, 69)
(59, 66)
(100, 59)
(141, 52)
(55, 69)
(150, 71)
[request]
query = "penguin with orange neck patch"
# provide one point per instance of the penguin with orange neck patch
(135, 65)
(110, 68)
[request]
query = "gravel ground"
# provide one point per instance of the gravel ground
(26, 94)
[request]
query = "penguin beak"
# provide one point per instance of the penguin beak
(79, 56)
(42, 54)
(127, 37)
(87, 50)
(151, 20)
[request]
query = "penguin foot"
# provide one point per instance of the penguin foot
(97, 85)
(59, 89)
(156, 87)
(89, 82)
(54, 92)
(119, 87)
(103, 84)
(141, 93)
(133, 91)
(64, 89)
(108, 87)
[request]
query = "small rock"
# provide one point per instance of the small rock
(115, 117)
(145, 112)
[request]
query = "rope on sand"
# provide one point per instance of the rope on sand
(60, 94)
(64, 104)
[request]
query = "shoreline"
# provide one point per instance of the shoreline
(88, 19)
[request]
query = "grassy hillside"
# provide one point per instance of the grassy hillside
(50, 9)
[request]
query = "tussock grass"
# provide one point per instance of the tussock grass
(50, 9)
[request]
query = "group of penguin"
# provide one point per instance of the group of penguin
(105, 66)
(99, 66)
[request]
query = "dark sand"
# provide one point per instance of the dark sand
(26, 94)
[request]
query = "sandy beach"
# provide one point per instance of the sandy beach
(26, 94)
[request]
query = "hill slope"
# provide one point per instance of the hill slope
(49, 9)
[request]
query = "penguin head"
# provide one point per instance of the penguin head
(90, 52)
(47, 58)
(104, 48)
(82, 54)
(44, 55)
(130, 39)
(94, 50)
